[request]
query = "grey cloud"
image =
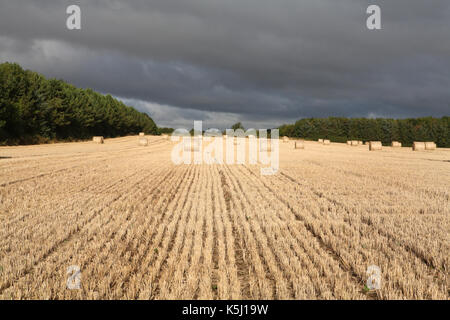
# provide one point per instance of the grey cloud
(264, 61)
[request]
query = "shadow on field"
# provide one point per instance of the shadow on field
(438, 160)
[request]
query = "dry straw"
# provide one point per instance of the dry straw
(349, 142)
(375, 145)
(143, 142)
(299, 145)
(326, 142)
(396, 144)
(418, 146)
(430, 145)
(320, 140)
(98, 139)
(141, 134)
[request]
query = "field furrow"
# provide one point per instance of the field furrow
(140, 227)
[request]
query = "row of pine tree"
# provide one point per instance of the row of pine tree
(34, 109)
(384, 130)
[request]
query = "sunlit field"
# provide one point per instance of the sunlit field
(140, 227)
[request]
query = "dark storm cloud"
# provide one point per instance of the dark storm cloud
(263, 62)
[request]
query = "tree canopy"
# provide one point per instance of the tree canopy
(237, 125)
(34, 109)
(385, 130)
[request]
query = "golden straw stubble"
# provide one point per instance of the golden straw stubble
(140, 227)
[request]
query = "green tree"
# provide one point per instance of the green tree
(385, 130)
(237, 125)
(34, 109)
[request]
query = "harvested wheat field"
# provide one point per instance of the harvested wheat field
(140, 227)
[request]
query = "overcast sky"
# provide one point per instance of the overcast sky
(262, 62)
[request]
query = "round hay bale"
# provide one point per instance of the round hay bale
(141, 134)
(360, 143)
(396, 144)
(418, 146)
(375, 145)
(349, 142)
(430, 145)
(320, 141)
(285, 139)
(143, 141)
(326, 142)
(98, 139)
(354, 143)
(299, 145)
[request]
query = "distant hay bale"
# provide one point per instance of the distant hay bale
(354, 143)
(320, 141)
(360, 143)
(430, 145)
(265, 147)
(375, 145)
(349, 142)
(299, 145)
(418, 146)
(285, 139)
(143, 141)
(98, 139)
(326, 142)
(141, 134)
(396, 144)
(366, 143)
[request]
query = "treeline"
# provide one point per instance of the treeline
(34, 109)
(385, 130)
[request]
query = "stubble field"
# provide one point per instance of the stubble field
(140, 227)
